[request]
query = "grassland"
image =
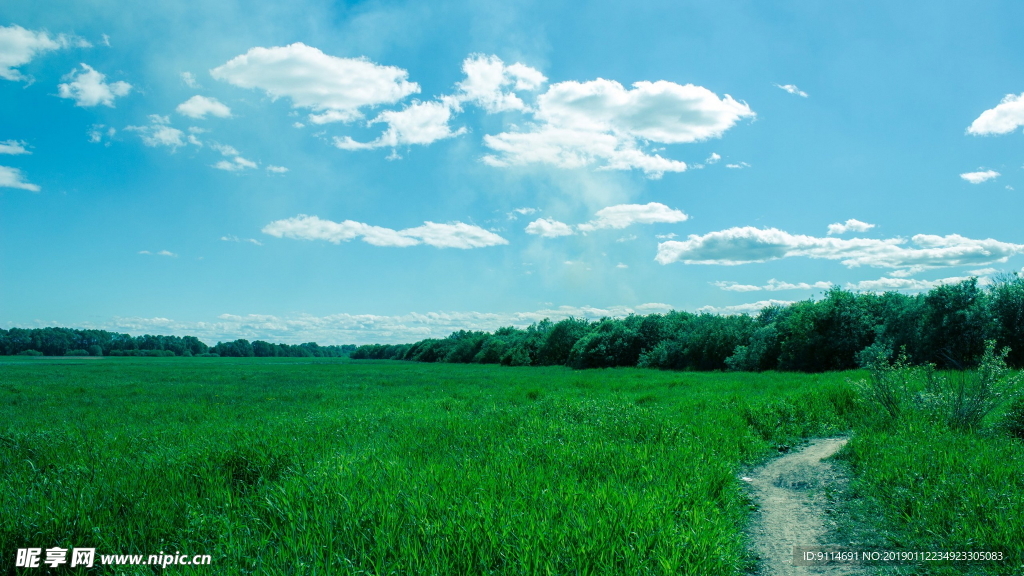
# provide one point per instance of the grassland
(299, 466)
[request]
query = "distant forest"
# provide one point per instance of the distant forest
(947, 326)
(75, 342)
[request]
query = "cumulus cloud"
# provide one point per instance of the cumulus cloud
(419, 123)
(747, 244)
(739, 166)
(13, 147)
(167, 253)
(980, 176)
(792, 89)
(19, 46)
(601, 122)
(159, 133)
(1003, 119)
(549, 228)
(333, 87)
(199, 106)
(850, 225)
(276, 169)
(88, 87)
(13, 178)
(752, 308)
(773, 285)
(625, 215)
(618, 217)
(486, 81)
(452, 235)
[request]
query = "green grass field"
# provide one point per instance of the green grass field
(299, 466)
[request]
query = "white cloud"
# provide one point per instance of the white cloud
(748, 244)
(13, 178)
(621, 265)
(792, 89)
(419, 123)
(199, 106)
(237, 239)
(616, 217)
(521, 211)
(739, 166)
(773, 285)
(850, 225)
(190, 80)
(334, 87)
(752, 308)
(235, 165)
(713, 159)
(13, 147)
(452, 235)
(276, 169)
(601, 122)
(159, 133)
(549, 228)
(106, 40)
(668, 236)
(19, 46)
(99, 131)
(980, 176)
(625, 215)
(225, 149)
(167, 253)
(486, 80)
(87, 87)
(909, 284)
(1003, 119)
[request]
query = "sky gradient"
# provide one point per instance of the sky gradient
(389, 171)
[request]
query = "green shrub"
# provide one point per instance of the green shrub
(30, 353)
(1013, 420)
(76, 353)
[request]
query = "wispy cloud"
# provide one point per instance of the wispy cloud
(13, 178)
(792, 89)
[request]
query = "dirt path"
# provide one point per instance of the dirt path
(788, 491)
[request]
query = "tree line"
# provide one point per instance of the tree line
(947, 326)
(78, 342)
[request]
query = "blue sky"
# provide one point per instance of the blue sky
(389, 171)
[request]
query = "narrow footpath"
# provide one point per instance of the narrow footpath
(789, 493)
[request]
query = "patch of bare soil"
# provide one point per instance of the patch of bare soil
(790, 495)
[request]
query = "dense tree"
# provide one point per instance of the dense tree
(948, 326)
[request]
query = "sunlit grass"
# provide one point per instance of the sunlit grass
(295, 466)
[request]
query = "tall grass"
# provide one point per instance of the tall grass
(278, 466)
